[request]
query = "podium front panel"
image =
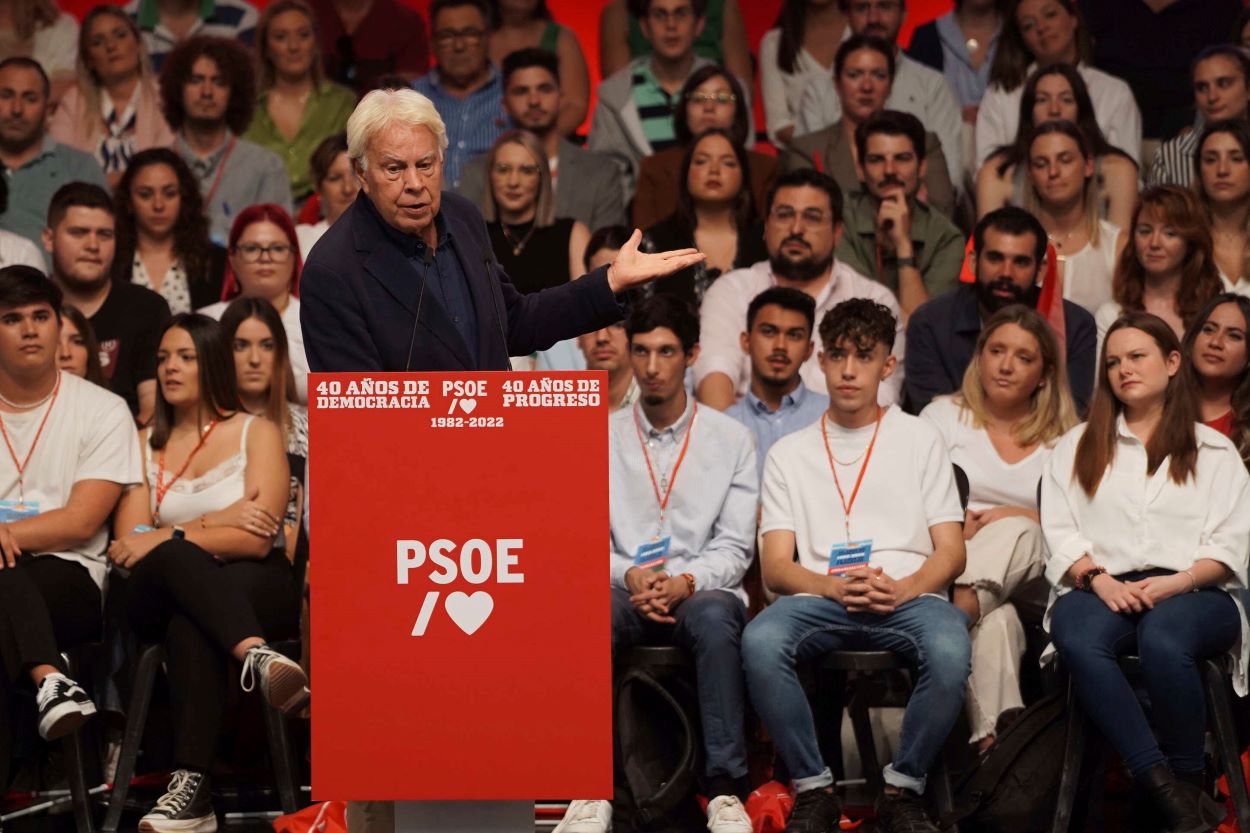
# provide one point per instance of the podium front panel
(461, 642)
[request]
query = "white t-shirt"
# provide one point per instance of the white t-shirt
(992, 481)
(909, 486)
(90, 435)
(308, 235)
(16, 250)
(294, 341)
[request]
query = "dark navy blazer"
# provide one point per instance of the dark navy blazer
(358, 300)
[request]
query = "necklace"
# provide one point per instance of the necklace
(851, 461)
(26, 406)
(972, 44)
(518, 246)
(301, 99)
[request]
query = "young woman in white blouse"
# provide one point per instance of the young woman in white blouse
(801, 45)
(1014, 404)
(1146, 514)
(1222, 173)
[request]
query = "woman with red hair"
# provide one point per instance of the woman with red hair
(264, 262)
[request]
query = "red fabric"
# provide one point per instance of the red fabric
(1050, 301)
(310, 214)
(769, 807)
(1223, 424)
(1229, 825)
(326, 817)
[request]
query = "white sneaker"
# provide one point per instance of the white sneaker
(586, 817)
(725, 814)
(63, 706)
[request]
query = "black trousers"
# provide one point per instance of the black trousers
(47, 605)
(200, 608)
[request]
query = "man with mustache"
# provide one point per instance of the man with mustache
(890, 234)
(803, 223)
(1009, 249)
(531, 97)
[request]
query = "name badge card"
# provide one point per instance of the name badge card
(17, 510)
(653, 556)
(846, 557)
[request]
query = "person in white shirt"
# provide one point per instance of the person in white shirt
(336, 186)
(71, 450)
(917, 89)
(799, 48)
(1146, 515)
(803, 223)
(866, 498)
(1013, 406)
(1039, 33)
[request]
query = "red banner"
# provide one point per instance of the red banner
(459, 575)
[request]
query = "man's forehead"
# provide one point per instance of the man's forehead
(404, 141)
(802, 196)
(85, 217)
(20, 79)
(779, 316)
(1007, 243)
(888, 143)
(530, 77)
(28, 309)
(204, 65)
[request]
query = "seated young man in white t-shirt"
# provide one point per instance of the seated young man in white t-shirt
(867, 497)
(69, 449)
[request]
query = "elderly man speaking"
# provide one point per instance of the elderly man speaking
(406, 278)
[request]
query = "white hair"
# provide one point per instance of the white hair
(381, 109)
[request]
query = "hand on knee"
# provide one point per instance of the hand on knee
(967, 601)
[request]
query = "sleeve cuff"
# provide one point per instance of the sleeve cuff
(1062, 559)
(1237, 565)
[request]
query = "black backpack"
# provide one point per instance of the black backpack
(1015, 784)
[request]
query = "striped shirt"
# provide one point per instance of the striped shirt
(473, 123)
(655, 108)
(1174, 160)
(234, 19)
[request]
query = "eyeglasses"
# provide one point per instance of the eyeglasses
(251, 252)
(713, 98)
(504, 169)
(447, 37)
(811, 216)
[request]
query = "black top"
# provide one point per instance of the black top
(128, 326)
(926, 46)
(543, 259)
(690, 284)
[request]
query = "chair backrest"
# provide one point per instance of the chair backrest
(962, 485)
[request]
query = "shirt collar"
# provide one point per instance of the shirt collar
(825, 293)
(675, 429)
(1209, 437)
(407, 243)
(790, 401)
(202, 166)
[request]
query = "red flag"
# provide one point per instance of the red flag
(1050, 301)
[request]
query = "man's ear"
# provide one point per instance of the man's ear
(47, 240)
(887, 370)
(744, 341)
(692, 355)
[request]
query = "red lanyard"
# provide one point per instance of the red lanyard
(662, 499)
(847, 506)
(221, 168)
(162, 488)
(21, 466)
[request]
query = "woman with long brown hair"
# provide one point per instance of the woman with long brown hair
(1215, 346)
(1000, 427)
(1167, 266)
(1146, 514)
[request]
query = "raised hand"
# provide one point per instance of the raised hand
(634, 268)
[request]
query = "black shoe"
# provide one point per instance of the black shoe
(186, 806)
(815, 811)
(1185, 808)
(903, 812)
(63, 706)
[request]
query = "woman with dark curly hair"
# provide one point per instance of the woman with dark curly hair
(208, 93)
(162, 233)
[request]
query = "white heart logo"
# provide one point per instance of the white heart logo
(469, 612)
(468, 405)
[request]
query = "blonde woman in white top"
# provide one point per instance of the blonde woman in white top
(999, 429)
(1146, 514)
(800, 46)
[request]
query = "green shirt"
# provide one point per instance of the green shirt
(655, 108)
(707, 45)
(938, 245)
(32, 185)
(325, 114)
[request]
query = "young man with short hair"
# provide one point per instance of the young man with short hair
(127, 319)
(866, 497)
(891, 236)
(683, 498)
(71, 449)
(778, 340)
(208, 95)
(608, 349)
(531, 97)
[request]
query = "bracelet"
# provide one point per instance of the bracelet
(689, 580)
(1085, 580)
(1193, 582)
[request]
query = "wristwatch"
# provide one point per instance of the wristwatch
(1083, 581)
(178, 534)
(907, 261)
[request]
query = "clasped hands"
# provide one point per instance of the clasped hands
(1141, 595)
(656, 594)
(868, 589)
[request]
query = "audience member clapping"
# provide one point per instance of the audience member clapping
(1168, 266)
(113, 110)
(1222, 168)
(711, 97)
(198, 537)
(528, 24)
(336, 187)
(162, 233)
(799, 48)
(78, 351)
(296, 107)
(1215, 347)
(715, 214)
(532, 245)
(264, 262)
(1058, 93)
(208, 92)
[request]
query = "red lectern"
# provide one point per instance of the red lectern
(460, 600)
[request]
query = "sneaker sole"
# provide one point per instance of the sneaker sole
(207, 824)
(287, 687)
(64, 720)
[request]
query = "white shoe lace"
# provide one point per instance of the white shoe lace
(50, 688)
(178, 794)
(254, 662)
(727, 810)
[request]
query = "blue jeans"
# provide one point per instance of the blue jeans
(709, 626)
(928, 631)
(1170, 639)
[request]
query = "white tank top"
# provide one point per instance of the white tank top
(1087, 273)
(217, 488)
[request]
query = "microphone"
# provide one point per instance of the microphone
(488, 258)
(427, 260)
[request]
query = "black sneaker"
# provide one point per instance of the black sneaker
(903, 812)
(815, 811)
(63, 706)
(282, 682)
(186, 806)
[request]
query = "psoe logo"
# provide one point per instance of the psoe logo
(476, 560)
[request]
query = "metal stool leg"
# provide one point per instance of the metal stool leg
(74, 773)
(1073, 754)
(1221, 718)
(136, 718)
(862, 725)
(280, 753)
(943, 793)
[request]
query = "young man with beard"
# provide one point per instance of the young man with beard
(1009, 250)
(72, 448)
(778, 340)
(127, 319)
(683, 495)
(862, 537)
(34, 165)
(531, 97)
(803, 223)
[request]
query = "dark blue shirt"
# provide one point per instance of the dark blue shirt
(942, 333)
